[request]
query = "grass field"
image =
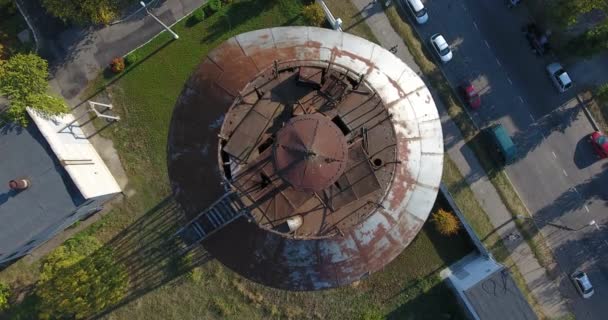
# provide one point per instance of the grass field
(144, 96)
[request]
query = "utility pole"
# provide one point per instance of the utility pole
(144, 5)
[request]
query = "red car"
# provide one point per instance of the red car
(471, 96)
(600, 144)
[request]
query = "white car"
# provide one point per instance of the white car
(441, 47)
(418, 10)
(559, 77)
(582, 284)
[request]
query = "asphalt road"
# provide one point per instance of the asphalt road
(558, 175)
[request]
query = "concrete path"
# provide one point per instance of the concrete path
(545, 291)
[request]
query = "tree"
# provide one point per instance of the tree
(23, 80)
(83, 12)
(445, 222)
(568, 12)
(79, 279)
(314, 14)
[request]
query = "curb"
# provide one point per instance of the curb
(29, 24)
(594, 124)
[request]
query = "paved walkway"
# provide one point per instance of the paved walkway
(545, 291)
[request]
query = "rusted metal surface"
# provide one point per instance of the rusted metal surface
(278, 99)
(310, 152)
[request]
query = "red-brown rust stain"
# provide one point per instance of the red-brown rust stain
(402, 182)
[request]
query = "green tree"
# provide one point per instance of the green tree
(83, 12)
(445, 222)
(4, 294)
(567, 12)
(23, 80)
(79, 279)
(314, 14)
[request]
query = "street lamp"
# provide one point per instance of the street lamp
(590, 224)
(175, 36)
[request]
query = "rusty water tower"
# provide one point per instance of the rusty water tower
(306, 158)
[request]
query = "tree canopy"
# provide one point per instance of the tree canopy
(569, 11)
(23, 80)
(83, 12)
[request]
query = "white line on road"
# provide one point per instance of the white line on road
(573, 188)
(564, 171)
(586, 208)
(521, 99)
(498, 61)
(475, 25)
(509, 79)
(487, 44)
(554, 156)
(532, 117)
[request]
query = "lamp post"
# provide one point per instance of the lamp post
(590, 224)
(175, 36)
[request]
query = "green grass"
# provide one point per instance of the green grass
(352, 21)
(144, 97)
(472, 136)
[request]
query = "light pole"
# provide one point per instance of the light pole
(175, 36)
(590, 224)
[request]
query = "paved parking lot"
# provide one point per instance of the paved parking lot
(558, 176)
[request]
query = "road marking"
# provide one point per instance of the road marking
(532, 117)
(498, 61)
(487, 44)
(509, 79)
(475, 25)
(564, 171)
(521, 99)
(586, 208)
(573, 188)
(554, 156)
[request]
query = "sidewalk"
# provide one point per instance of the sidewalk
(545, 291)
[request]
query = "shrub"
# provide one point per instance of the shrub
(215, 5)
(314, 14)
(132, 58)
(117, 65)
(4, 294)
(79, 279)
(445, 222)
(199, 15)
(82, 12)
(602, 93)
(371, 313)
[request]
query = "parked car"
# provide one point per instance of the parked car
(559, 77)
(503, 144)
(599, 141)
(418, 10)
(582, 283)
(441, 47)
(470, 96)
(539, 40)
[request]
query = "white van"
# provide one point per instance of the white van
(418, 10)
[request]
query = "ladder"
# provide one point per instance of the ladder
(221, 213)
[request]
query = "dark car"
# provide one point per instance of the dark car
(600, 144)
(470, 96)
(539, 40)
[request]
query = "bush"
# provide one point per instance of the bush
(83, 12)
(132, 58)
(445, 222)
(371, 313)
(118, 65)
(602, 93)
(314, 14)
(215, 5)
(199, 15)
(4, 294)
(79, 279)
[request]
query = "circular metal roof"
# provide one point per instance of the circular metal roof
(310, 152)
(244, 91)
